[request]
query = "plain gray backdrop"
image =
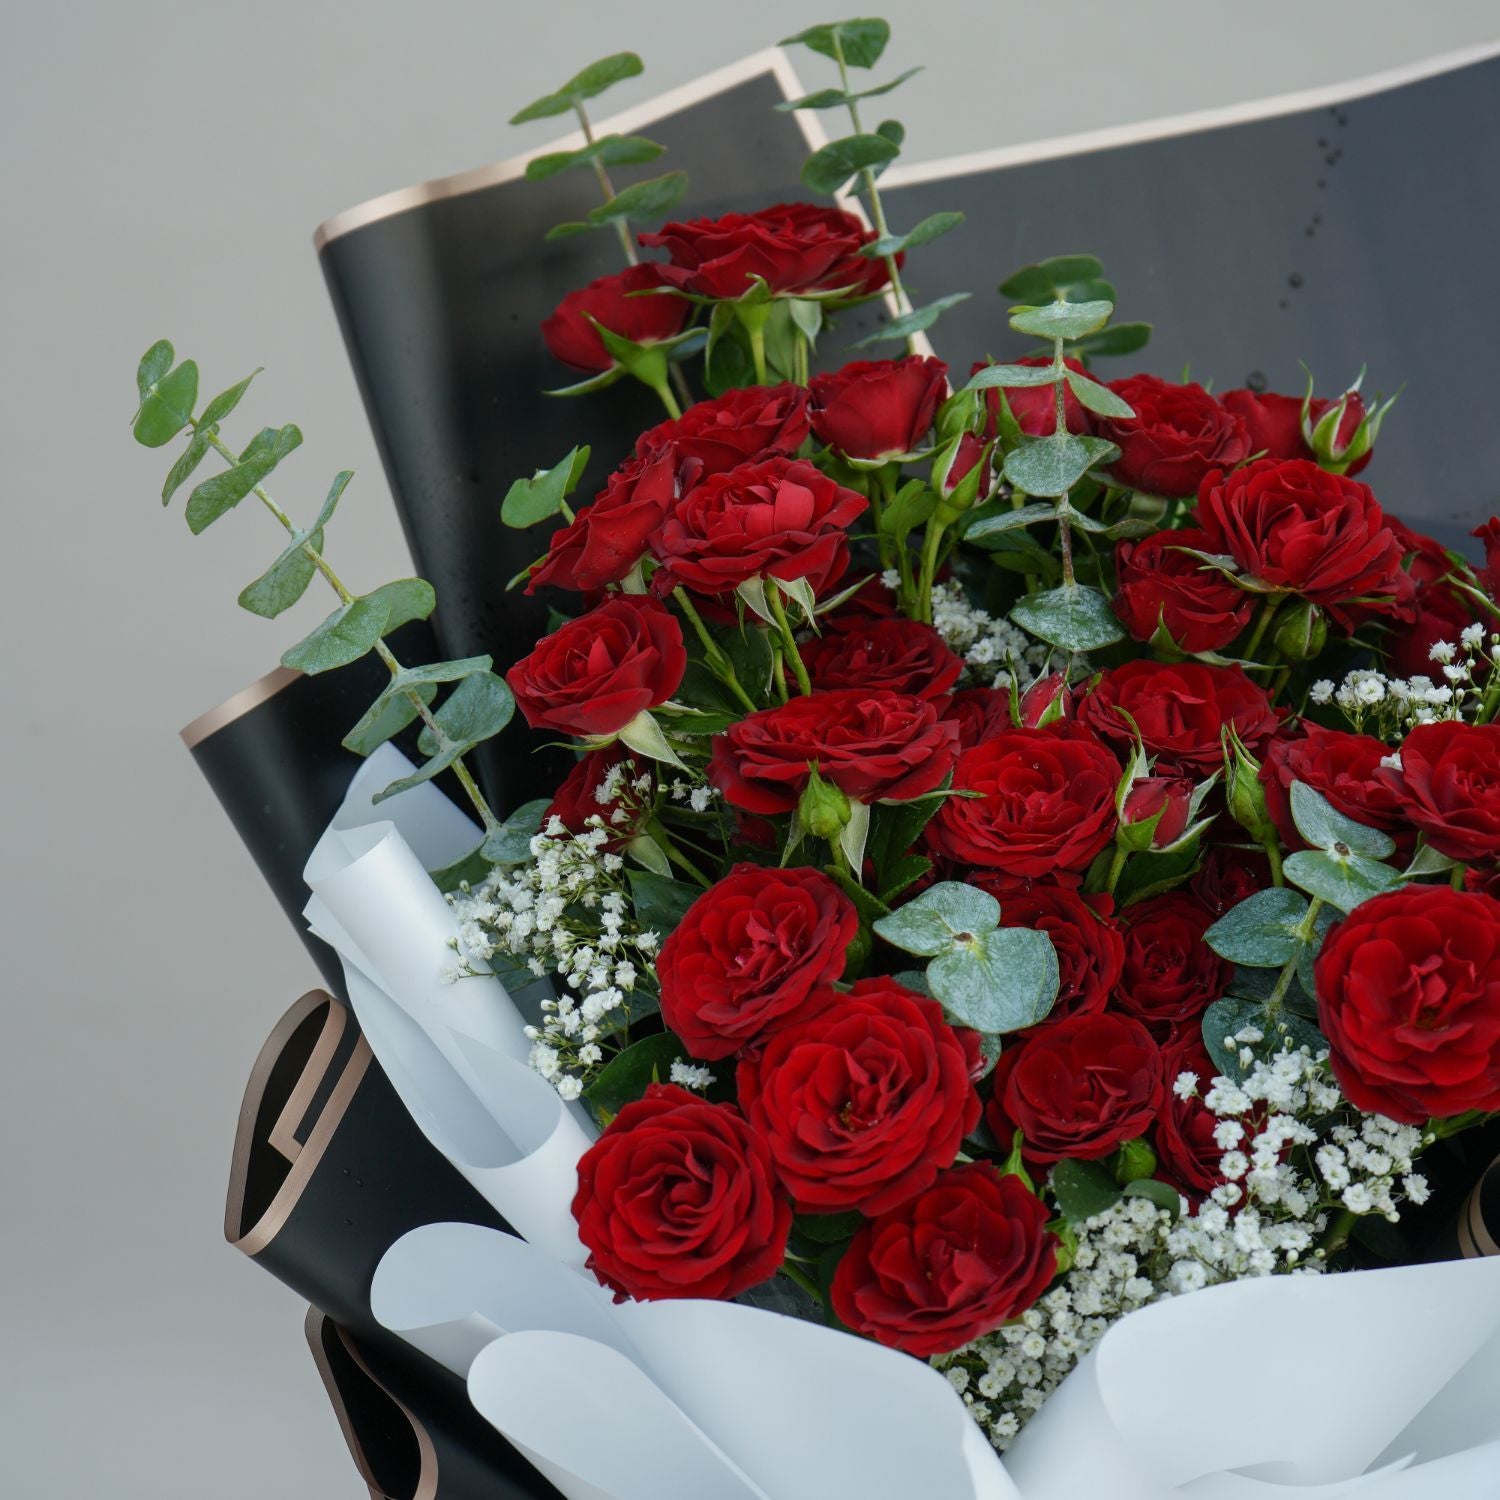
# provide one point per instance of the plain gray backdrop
(162, 167)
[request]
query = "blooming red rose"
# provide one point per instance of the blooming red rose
(969, 1254)
(1184, 1135)
(1345, 769)
(1046, 803)
(980, 713)
(1302, 530)
(1448, 785)
(1090, 950)
(1408, 988)
(595, 674)
(759, 421)
(779, 518)
(1274, 422)
(874, 746)
(1426, 558)
(1035, 406)
(678, 1198)
(1178, 435)
(1077, 1089)
(1489, 574)
(895, 653)
(608, 538)
(793, 247)
(1181, 710)
(576, 800)
(873, 408)
(1228, 875)
(752, 954)
(646, 319)
(1170, 974)
(865, 1102)
(1167, 798)
(1159, 584)
(1435, 612)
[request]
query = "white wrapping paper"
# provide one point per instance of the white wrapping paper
(455, 1053)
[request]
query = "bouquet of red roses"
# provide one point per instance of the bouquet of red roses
(1033, 843)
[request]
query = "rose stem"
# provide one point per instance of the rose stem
(778, 610)
(718, 663)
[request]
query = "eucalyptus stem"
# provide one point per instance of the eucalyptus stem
(315, 557)
(1060, 407)
(1304, 933)
(778, 611)
(718, 663)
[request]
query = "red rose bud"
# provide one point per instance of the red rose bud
(1177, 437)
(795, 248)
(752, 955)
(823, 809)
(1341, 434)
(1077, 1089)
(1301, 632)
(1408, 988)
(1301, 530)
(593, 676)
(898, 654)
(1275, 425)
(1156, 813)
(778, 519)
(957, 1261)
(1046, 701)
(865, 1102)
(876, 409)
(570, 333)
(679, 1198)
(759, 421)
(1163, 587)
(1046, 803)
(1181, 710)
(1034, 407)
(873, 746)
(1449, 787)
(1171, 976)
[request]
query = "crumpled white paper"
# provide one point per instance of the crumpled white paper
(455, 1053)
(678, 1400)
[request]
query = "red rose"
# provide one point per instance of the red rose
(980, 713)
(648, 319)
(678, 1198)
(1047, 802)
(1489, 574)
(593, 676)
(969, 1254)
(1181, 710)
(575, 801)
(1435, 613)
(1170, 975)
(1035, 406)
(1161, 585)
(874, 408)
(1184, 1135)
(1169, 798)
(896, 654)
(1090, 950)
(760, 421)
(793, 247)
(1077, 1089)
(751, 955)
(1345, 769)
(1046, 695)
(1408, 989)
(863, 1104)
(779, 518)
(608, 538)
(1228, 875)
(1178, 435)
(1426, 558)
(874, 746)
(1449, 787)
(1301, 530)
(1275, 422)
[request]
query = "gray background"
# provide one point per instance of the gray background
(162, 166)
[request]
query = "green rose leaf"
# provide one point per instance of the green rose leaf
(660, 904)
(479, 707)
(643, 200)
(895, 828)
(345, 636)
(1053, 465)
(1061, 320)
(608, 151)
(859, 41)
(591, 81)
(1324, 828)
(1341, 882)
(1083, 1189)
(626, 1076)
(510, 843)
(223, 492)
(1098, 398)
(935, 920)
(922, 233)
(393, 710)
(285, 581)
(826, 171)
(167, 395)
(1074, 617)
(998, 981)
(529, 501)
(1262, 930)
(912, 507)
(902, 328)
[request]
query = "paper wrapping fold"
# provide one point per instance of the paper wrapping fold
(454, 1052)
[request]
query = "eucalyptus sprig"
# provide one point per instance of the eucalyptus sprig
(479, 704)
(865, 154)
